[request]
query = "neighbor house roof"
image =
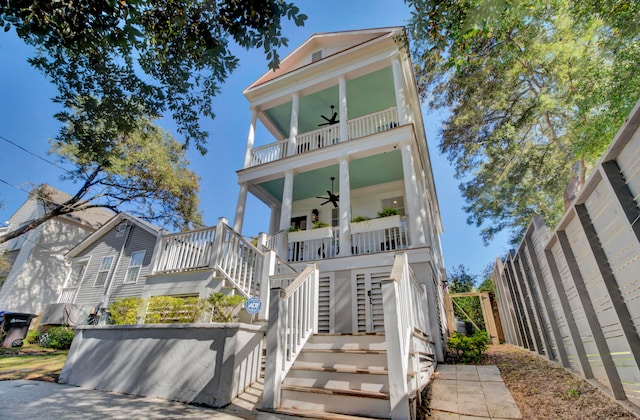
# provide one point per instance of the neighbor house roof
(94, 216)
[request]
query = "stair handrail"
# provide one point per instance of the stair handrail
(399, 322)
(293, 319)
(237, 259)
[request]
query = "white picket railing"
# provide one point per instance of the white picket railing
(387, 239)
(239, 261)
(373, 123)
(313, 249)
(293, 318)
(186, 250)
(68, 295)
(326, 136)
(268, 153)
(405, 305)
(317, 139)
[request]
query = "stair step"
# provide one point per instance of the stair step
(342, 401)
(346, 369)
(284, 413)
(337, 380)
(346, 342)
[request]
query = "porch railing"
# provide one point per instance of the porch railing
(326, 136)
(406, 331)
(373, 123)
(387, 239)
(68, 295)
(314, 249)
(186, 250)
(293, 318)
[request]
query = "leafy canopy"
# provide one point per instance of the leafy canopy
(142, 58)
(535, 91)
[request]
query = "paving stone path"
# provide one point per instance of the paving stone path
(471, 392)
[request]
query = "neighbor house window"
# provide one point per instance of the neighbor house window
(77, 273)
(396, 203)
(135, 264)
(103, 272)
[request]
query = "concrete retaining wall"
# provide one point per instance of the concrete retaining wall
(208, 364)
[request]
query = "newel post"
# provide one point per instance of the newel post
(218, 241)
(268, 269)
(396, 357)
(275, 350)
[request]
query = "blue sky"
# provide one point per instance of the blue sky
(26, 118)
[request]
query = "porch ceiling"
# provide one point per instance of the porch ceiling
(372, 170)
(365, 95)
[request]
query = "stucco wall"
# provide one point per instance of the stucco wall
(205, 364)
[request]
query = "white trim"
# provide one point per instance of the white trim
(95, 282)
(126, 275)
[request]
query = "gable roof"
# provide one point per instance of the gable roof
(94, 217)
(330, 43)
(111, 224)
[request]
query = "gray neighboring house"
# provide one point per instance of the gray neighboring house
(38, 268)
(111, 263)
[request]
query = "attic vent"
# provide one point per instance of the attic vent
(120, 229)
(316, 55)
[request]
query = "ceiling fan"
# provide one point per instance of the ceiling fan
(332, 198)
(332, 119)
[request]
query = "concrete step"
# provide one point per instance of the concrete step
(343, 379)
(340, 401)
(287, 414)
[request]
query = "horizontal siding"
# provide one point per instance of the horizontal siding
(111, 244)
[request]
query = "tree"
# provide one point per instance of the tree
(535, 90)
(462, 281)
(142, 58)
(145, 171)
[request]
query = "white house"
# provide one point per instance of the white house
(38, 267)
(348, 143)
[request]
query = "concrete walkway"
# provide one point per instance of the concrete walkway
(471, 392)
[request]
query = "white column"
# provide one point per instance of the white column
(274, 219)
(416, 227)
(399, 89)
(345, 208)
(293, 127)
(342, 93)
(240, 207)
(250, 137)
(287, 200)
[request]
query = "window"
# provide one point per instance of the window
(335, 216)
(103, 272)
(316, 55)
(135, 264)
(77, 273)
(396, 203)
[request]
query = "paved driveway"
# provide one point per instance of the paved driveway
(20, 400)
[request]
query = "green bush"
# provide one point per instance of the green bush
(223, 307)
(33, 337)
(468, 349)
(387, 212)
(125, 311)
(359, 219)
(60, 338)
(167, 310)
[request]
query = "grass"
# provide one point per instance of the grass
(31, 362)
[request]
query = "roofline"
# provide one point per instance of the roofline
(92, 238)
(389, 30)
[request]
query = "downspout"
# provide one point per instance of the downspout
(107, 295)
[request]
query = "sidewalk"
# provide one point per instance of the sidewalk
(471, 392)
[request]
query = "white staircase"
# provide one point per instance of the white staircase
(338, 376)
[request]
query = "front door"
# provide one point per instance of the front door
(368, 314)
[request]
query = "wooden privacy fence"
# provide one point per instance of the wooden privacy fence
(574, 295)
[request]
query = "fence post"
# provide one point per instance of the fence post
(275, 350)
(268, 269)
(396, 359)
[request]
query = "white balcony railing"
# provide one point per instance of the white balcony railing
(186, 250)
(389, 236)
(326, 136)
(311, 245)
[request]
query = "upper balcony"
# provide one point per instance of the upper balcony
(324, 137)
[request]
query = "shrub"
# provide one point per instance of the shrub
(224, 308)
(125, 311)
(317, 225)
(33, 337)
(387, 212)
(60, 338)
(359, 219)
(167, 310)
(468, 349)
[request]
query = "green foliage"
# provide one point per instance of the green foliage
(60, 338)
(461, 281)
(33, 337)
(143, 58)
(387, 212)
(125, 311)
(360, 219)
(225, 308)
(167, 310)
(535, 92)
(468, 350)
(319, 224)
